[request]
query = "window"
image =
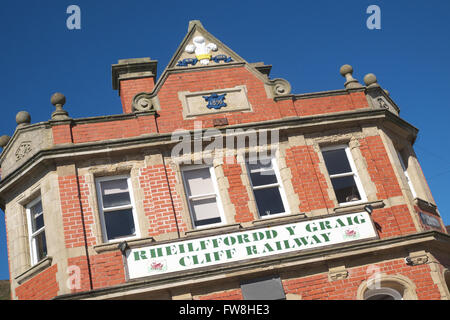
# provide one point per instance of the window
(117, 214)
(203, 196)
(36, 231)
(267, 189)
(383, 294)
(405, 171)
(387, 287)
(269, 288)
(343, 175)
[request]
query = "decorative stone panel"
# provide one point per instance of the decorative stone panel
(195, 104)
(25, 144)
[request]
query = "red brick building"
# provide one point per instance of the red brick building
(217, 182)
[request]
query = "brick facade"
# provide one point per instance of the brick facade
(160, 202)
(105, 270)
(237, 191)
(43, 286)
(75, 225)
(318, 287)
(309, 183)
(379, 167)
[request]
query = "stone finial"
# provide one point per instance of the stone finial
(23, 118)
(59, 100)
(4, 141)
(371, 80)
(387, 92)
(347, 71)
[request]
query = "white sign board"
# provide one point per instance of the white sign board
(256, 243)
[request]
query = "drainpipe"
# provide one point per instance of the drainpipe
(84, 228)
(168, 183)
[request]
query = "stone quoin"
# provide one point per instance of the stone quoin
(101, 208)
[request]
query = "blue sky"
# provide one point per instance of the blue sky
(305, 41)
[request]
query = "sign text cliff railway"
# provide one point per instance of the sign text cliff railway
(207, 251)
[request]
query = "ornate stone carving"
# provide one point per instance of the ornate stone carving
(341, 275)
(382, 103)
(414, 260)
(215, 101)
(23, 150)
(281, 87)
(337, 273)
(201, 49)
(142, 102)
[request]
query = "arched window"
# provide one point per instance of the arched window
(382, 294)
(387, 287)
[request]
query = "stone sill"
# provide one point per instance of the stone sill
(213, 230)
(280, 219)
(37, 268)
(426, 206)
(113, 246)
(359, 207)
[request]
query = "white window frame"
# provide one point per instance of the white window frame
(206, 196)
(102, 210)
(405, 171)
(353, 173)
(279, 184)
(32, 235)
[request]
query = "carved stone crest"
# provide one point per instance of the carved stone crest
(215, 101)
(23, 150)
(201, 49)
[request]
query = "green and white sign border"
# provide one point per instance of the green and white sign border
(227, 248)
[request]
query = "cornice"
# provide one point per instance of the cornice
(319, 94)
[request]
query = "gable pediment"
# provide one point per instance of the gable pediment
(24, 144)
(199, 48)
